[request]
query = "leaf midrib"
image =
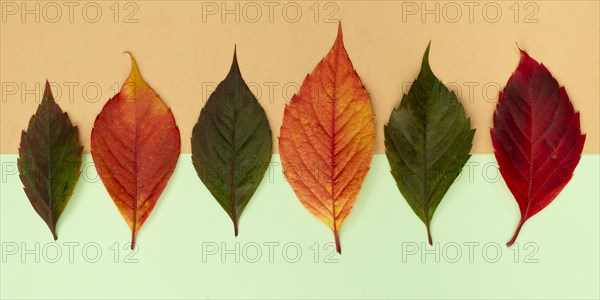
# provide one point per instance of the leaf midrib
(532, 152)
(135, 157)
(531, 159)
(424, 162)
(50, 207)
(233, 165)
(333, 131)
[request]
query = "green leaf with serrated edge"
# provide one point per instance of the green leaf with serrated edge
(427, 140)
(231, 144)
(49, 160)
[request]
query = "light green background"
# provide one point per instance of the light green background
(562, 243)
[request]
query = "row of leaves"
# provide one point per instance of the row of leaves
(326, 144)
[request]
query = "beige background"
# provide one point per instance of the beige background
(181, 55)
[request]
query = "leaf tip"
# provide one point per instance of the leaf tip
(524, 54)
(48, 92)
(526, 60)
(135, 80)
(134, 65)
(235, 68)
(339, 40)
(521, 51)
(426, 73)
(425, 62)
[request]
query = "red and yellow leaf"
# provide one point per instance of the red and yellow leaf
(327, 138)
(536, 137)
(135, 145)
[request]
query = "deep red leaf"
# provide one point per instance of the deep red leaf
(536, 136)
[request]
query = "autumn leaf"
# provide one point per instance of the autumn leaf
(327, 138)
(231, 144)
(536, 137)
(427, 140)
(49, 160)
(135, 146)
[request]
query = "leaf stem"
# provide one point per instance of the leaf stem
(516, 234)
(132, 239)
(429, 239)
(235, 228)
(338, 247)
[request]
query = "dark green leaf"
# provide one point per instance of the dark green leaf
(231, 144)
(49, 160)
(427, 140)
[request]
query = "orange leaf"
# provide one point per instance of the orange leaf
(327, 138)
(135, 146)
